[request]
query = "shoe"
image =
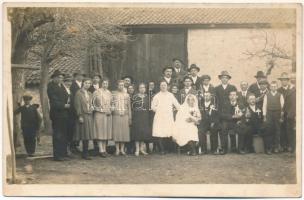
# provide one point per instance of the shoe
(136, 153)
(117, 153)
(31, 155)
(222, 152)
(242, 152)
(268, 152)
(144, 153)
(86, 157)
(123, 153)
(289, 149)
(162, 153)
(103, 155)
(276, 150)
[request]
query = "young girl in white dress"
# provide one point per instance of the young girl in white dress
(162, 104)
(185, 126)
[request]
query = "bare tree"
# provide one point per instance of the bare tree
(271, 52)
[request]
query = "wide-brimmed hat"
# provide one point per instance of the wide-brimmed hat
(78, 72)
(284, 76)
(224, 73)
(129, 77)
(96, 74)
(260, 74)
(68, 77)
(57, 73)
(167, 67)
(194, 66)
(205, 76)
(175, 59)
(263, 82)
(27, 97)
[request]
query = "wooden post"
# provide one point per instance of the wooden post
(12, 146)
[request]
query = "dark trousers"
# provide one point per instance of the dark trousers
(228, 128)
(284, 133)
(291, 134)
(29, 139)
(245, 139)
(273, 126)
(213, 137)
(85, 148)
(60, 130)
(161, 144)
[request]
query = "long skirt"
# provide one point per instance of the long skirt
(141, 126)
(102, 126)
(84, 131)
(120, 128)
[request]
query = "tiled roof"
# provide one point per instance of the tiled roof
(67, 65)
(191, 16)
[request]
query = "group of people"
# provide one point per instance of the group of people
(173, 114)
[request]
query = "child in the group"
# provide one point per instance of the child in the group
(30, 123)
(122, 118)
(209, 123)
(273, 116)
(84, 110)
(185, 127)
(140, 120)
(102, 98)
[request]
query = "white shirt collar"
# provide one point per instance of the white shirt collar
(233, 103)
(291, 86)
(194, 78)
(207, 103)
(177, 70)
(273, 93)
(79, 83)
(252, 107)
(206, 87)
(96, 86)
(244, 93)
(286, 87)
(167, 79)
(224, 86)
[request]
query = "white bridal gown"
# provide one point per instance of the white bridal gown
(163, 123)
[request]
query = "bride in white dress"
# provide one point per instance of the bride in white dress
(185, 126)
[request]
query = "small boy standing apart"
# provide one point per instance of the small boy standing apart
(30, 123)
(273, 114)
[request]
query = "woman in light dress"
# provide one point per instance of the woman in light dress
(102, 117)
(121, 115)
(163, 124)
(187, 119)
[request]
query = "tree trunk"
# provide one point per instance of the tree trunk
(44, 79)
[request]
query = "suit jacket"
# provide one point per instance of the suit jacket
(208, 115)
(197, 83)
(58, 97)
(228, 110)
(283, 91)
(290, 103)
(30, 118)
(243, 99)
(182, 94)
(222, 95)
(255, 118)
(179, 76)
(254, 89)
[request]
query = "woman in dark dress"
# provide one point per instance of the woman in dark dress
(140, 124)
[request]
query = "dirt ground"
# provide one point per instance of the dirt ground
(158, 169)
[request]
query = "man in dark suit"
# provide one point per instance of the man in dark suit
(59, 106)
(284, 89)
(178, 71)
(188, 89)
(96, 78)
(253, 124)
(222, 93)
(76, 85)
(197, 81)
(167, 77)
(231, 119)
(290, 114)
(257, 89)
(209, 123)
(243, 94)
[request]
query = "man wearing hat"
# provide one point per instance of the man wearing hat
(256, 87)
(59, 113)
(243, 94)
(290, 114)
(30, 123)
(76, 85)
(167, 77)
(222, 93)
(284, 89)
(193, 70)
(178, 72)
(96, 78)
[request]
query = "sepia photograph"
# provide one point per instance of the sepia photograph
(152, 99)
